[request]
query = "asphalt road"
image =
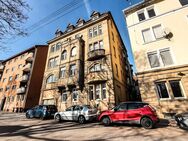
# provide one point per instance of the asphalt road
(15, 127)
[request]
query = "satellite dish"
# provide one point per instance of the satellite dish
(167, 33)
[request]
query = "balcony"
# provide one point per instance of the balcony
(29, 57)
(21, 90)
(97, 77)
(96, 54)
(24, 78)
(51, 85)
(27, 67)
(1, 68)
(72, 80)
(61, 83)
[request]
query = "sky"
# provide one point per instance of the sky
(42, 30)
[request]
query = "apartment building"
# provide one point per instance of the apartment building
(158, 34)
(87, 64)
(21, 79)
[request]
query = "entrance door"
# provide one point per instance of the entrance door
(2, 103)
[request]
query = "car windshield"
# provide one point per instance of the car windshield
(88, 106)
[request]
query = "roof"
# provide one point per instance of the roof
(27, 50)
(139, 6)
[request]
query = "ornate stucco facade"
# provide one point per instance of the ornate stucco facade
(87, 64)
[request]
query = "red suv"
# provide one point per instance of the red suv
(130, 112)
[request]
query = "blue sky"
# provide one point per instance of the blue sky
(43, 33)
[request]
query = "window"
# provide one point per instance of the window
(64, 97)
(74, 95)
(183, 2)
(7, 70)
(52, 48)
(13, 68)
(176, 88)
(147, 35)
(117, 70)
(94, 31)
(73, 52)
(7, 88)
(64, 55)
(70, 108)
(1, 89)
(72, 69)
(96, 45)
(97, 91)
(114, 51)
(10, 78)
(63, 72)
(101, 44)
(141, 16)
(132, 106)
(112, 36)
(13, 87)
(151, 12)
(19, 66)
(58, 46)
(91, 92)
(90, 47)
(153, 59)
(22, 97)
(51, 78)
(166, 57)
(90, 33)
(53, 62)
(4, 79)
(95, 68)
(163, 56)
(100, 29)
(162, 90)
(157, 30)
(16, 77)
(122, 106)
(103, 90)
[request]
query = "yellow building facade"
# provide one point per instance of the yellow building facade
(86, 64)
(158, 34)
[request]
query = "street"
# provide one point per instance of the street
(17, 127)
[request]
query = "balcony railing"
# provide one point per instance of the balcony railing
(21, 90)
(24, 78)
(29, 57)
(96, 54)
(98, 76)
(27, 67)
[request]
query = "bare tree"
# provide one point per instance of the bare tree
(11, 17)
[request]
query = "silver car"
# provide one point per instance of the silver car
(80, 113)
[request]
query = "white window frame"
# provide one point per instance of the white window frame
(161, 99)
(75, 91)
(160, 59)
(62, 97)
(145, 11)
(64, 70)
(182, 89)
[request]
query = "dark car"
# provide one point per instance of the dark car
(182, 120)
(130, 112)
(41, 111)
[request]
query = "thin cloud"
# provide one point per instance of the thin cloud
(88, 8)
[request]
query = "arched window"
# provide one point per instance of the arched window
(51, 79)
(73, 52)
(64, 55)
(58, 46)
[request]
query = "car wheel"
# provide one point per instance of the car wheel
(57, 118)
(106, 121)
(81, 119)
(147, 123)
(28, 116)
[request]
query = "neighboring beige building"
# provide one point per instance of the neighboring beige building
(158, 31)
(87, 64)
(21, 79)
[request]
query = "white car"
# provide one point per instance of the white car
(80, 113)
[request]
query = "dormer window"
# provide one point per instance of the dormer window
(141, 16)
(80, 22)
(95, 15)
(70, 27)
(58, 33)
